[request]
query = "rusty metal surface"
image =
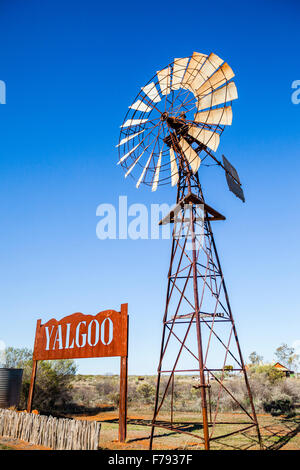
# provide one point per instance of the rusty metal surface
(83, 341)
(32, 385)
(197, 318)
(82, 336)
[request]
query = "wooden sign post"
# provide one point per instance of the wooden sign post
(82, 336)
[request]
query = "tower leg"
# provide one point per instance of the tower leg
(199, 338)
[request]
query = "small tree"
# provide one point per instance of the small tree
(255, 359)
(53, 384)
(17, 358)
(53, 380)
(273, 375)
(146, 391)
(287, 356)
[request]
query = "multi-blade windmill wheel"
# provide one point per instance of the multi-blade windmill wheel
(173, 125)
(184, 107)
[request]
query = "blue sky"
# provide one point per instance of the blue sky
(71, 70)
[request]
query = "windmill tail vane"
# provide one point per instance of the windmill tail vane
(174, 124)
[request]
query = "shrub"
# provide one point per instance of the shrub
(146, 392)
(280, 405)
(53, 384)
(105, 387)
(114, 398)
(291, 387)
(53, 379)
(17, 358)
(269, 371)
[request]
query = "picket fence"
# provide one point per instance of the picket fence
(56, 433)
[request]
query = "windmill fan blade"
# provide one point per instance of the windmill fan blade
(190, 154)
(133, 122)
(174, 168)
(221, 76)
(221, 116)
(135, 162)
(151, 91)
(192, 70)
(126, 139)
(215, 60)
(128, 153)
(206, 137)
(221, 95)
(164, 79)
(211, 64)
(132, 166)
(156, 176)
(178, 72)
(141, 106)
(144, 170)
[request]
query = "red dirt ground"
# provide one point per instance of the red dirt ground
(272, 430)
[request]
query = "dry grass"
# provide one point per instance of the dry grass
(96, 398)
(277, 432)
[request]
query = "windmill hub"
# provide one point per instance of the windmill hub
(164, 116)
(174, 122)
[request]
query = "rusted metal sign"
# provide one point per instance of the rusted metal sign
(82, 336)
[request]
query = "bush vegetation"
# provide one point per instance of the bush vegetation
(266, 386)
(59, 389)
(53, 380)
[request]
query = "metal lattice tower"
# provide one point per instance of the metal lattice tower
(173, 125)
(198, 318)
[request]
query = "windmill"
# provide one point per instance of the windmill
(172, 127)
